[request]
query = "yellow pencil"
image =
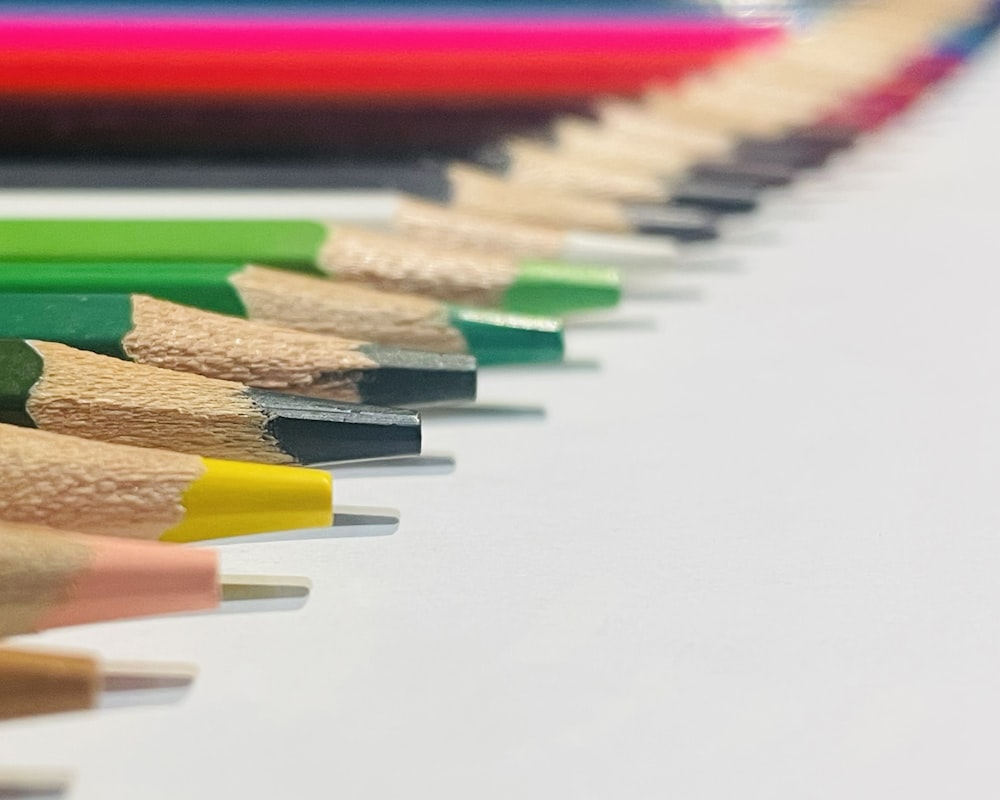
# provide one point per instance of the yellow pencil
(112, 489)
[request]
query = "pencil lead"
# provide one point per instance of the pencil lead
(684, 223)
(415, 376)
(125, 684)
(724, 197)
(250, 594)
(301, 427)
(427, 464)
(350, 517)
(744, 171)
(250, 588)
(498, 337)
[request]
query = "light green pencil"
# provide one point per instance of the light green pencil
(373, 258)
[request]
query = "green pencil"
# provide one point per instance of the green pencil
(158, 333)
(305, 303)
(354, 254)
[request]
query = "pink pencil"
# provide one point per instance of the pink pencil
(581, 35)
(380, 60)
(51, 579)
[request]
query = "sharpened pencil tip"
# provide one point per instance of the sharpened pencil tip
(317, 431)
(683, 223)
(417, 377)
(558, 288)
(365, 517)
(499, 337)
(125, 683)
(724, 197)
(258, 587)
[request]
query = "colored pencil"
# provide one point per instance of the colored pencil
(250, 128)
(769, 98)
(162, 334)
(377, 190)
(578, 138)
(628, 154)
(534, 164)
(209, 190)
(530, 9)
(115, 489)
(344, 252)
(37, 682)
(60, 389)
(287, 299)
(380, 60)
(54, 579)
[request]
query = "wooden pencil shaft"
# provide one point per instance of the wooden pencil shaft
(143, 493)
(52, 578)
(266, 295)
(63, 390)
(38, 683)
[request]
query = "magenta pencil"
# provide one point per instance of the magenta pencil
(330, 58)
(572, 35)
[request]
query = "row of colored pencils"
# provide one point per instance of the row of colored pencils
(176, 362)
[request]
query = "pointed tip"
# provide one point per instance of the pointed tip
(560, 288)
(241, 588)
(723, 197)
(417, 377)
(124, 682)
(500, 337)
(365, 517)
(318, 431)
(744, 171)
(788, 152)
(683, 223)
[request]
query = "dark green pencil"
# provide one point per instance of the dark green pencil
(163, 334)
(305, 303)
(56, 388)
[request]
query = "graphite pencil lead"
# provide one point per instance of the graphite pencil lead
(57, 388)
(37, 682)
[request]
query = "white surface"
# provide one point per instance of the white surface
(374, 208)
(757, 555)
(618, 250)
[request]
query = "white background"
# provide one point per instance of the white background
(755, 555)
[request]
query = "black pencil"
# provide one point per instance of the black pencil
(57, 388)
